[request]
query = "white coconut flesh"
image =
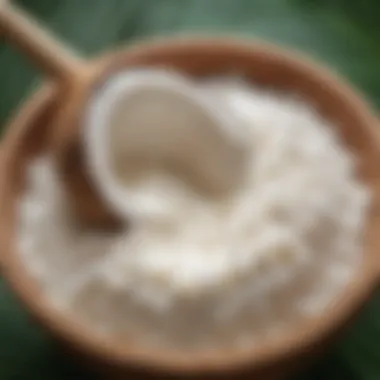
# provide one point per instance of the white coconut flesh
(153, 120)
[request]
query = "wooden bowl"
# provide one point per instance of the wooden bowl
(29, 135)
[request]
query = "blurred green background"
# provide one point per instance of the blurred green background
(345, 34)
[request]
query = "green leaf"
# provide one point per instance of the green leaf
(344, 34)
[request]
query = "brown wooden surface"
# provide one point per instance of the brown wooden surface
(357, 128)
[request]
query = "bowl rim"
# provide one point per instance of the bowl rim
(289, 346)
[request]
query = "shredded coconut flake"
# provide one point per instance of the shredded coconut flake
(213, 272)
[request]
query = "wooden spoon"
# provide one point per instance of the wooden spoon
(79, 80)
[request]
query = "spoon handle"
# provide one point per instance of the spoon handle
(42, 48)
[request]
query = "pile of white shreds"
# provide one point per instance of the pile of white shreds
(279, 250)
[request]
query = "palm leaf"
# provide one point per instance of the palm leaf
(342, 33)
